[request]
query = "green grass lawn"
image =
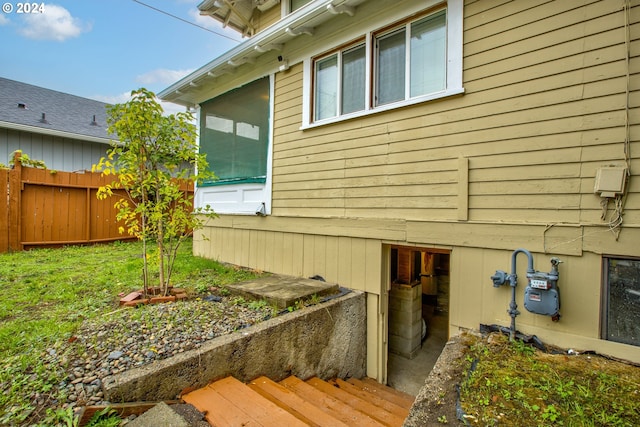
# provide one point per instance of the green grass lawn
(47, 293)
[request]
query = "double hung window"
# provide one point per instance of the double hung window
(340, 83)
(412, 61)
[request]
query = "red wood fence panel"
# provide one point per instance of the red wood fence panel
(48, 208)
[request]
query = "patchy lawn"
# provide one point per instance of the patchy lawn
(514, 384)
(48, 294)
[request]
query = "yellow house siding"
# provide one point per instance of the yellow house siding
(509, 164)
(544, 108)
(354, 262)
(580, 310)
(264, 19)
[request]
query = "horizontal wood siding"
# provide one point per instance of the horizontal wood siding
(57, 153)
(544, 107)
(264, 19)
(509, 164)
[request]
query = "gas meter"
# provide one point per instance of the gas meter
(541, 295)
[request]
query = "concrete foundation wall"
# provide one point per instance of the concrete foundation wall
(327, 340)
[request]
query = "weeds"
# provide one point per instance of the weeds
(298, 305)
(105, 418)
(514, 384)
(258, 304)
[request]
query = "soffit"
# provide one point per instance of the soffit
(188, 91)
(236, 14)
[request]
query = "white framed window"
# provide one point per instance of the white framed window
(340, 83)
(411, 60)
(236, 135)
(414, 60)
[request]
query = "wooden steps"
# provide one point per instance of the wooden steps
(293, 402)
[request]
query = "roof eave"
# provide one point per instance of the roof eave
(278, 34)
(54, 132)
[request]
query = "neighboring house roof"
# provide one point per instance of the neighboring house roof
(35, 109)
(188, 90)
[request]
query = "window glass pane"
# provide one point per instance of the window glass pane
(326, 95)
(297, 4)
(428, 55)
(353, 80)
(623, 301)
(234, 133)
(391, 68)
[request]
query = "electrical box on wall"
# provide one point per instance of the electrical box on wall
(610, 181)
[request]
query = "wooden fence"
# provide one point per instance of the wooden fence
(45, 208)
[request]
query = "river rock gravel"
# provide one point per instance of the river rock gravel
(130, 337)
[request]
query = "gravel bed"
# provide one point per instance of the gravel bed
(130, 337)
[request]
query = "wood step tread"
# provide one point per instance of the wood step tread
(379, 414)
(216, 409)
(387, 393)
(296, 403)
(250, 408)
(291, 402)
(372, 398)
(329, 404)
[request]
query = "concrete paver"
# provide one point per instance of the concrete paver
(283, 291)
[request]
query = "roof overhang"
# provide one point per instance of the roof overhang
(302, 21)
(236, 14)
(54, 132)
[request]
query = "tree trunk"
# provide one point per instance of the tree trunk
(163, 286)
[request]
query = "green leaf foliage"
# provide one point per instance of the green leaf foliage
(154, 161)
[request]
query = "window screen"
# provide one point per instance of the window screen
(353, 80)
(327, 88)
(340, 83)
(234, 134)
(421, 61)
(391, 67)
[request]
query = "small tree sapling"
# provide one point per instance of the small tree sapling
(154, 161)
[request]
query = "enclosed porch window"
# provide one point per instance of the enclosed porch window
(234, 131)
(235, 135)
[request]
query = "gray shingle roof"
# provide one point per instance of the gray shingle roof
(25, 104)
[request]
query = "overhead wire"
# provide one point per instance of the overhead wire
(184, 20)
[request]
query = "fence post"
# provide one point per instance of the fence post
(15, 204)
